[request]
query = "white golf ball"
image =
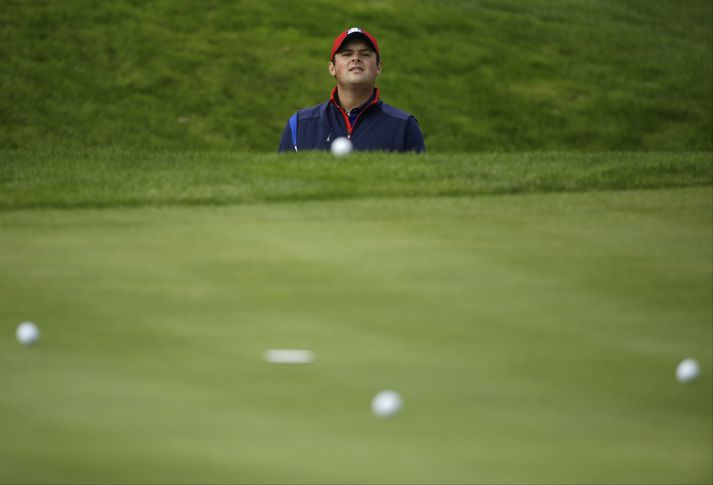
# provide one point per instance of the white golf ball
(341, 147)
(27, 333)
(386, 404)
(687, 371)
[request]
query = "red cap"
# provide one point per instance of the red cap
(351, 33)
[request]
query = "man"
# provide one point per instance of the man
(354, 109)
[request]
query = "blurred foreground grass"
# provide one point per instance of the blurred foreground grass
(534, 336)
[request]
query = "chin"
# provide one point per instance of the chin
(359, 80)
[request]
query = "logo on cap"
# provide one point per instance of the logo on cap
(346, 33)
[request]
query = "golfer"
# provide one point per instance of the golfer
(354, 109)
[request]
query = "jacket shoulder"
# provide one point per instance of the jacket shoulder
(395, 112)
(313, 112)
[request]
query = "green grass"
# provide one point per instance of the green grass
(486, 75)
(529, 285)
(530, 308)
(116, 177)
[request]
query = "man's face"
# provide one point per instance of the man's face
(355, 63)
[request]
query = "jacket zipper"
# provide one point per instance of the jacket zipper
(350, 128)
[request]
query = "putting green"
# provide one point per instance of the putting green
(534, 338)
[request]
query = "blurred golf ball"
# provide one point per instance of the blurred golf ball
(386, 404)
(341, 147)
(27, 333)
(687, 370)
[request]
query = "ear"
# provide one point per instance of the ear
(332, 69)
(378, 67)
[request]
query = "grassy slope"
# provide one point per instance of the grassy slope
(480, 75)
(106, 177)
(534, 337)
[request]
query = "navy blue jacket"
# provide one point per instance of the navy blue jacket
(378, 126)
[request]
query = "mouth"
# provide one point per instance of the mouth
(356, 69)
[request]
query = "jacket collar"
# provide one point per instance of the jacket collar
(333, 99)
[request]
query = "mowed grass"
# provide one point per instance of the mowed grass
(120, 177)
(485, 75)
(533, 335)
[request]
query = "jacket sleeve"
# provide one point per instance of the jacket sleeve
(414, 138)
(286, 141)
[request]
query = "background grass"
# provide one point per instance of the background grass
(485, 75)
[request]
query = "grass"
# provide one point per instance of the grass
(487, 75)
(116, 177)
(529, 285)
(530, 308)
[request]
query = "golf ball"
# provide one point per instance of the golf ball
(27, 333)
(687, 371)
(386, 404)
(341, 147)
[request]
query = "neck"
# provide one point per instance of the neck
(351, 97)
